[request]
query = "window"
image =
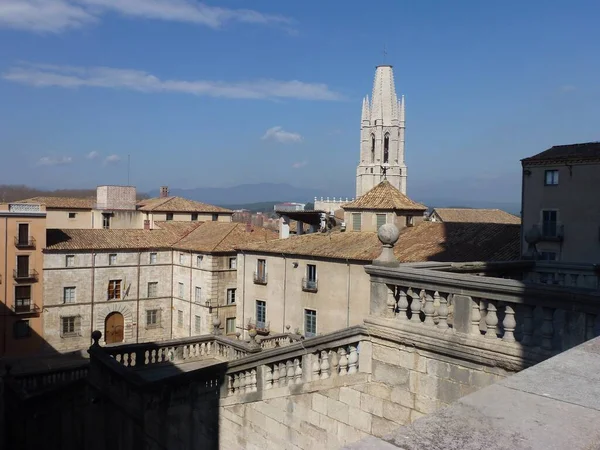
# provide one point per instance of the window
(69, 294)
(72, 215)
(106, 221)
(215, 217)
(230, 325)
(386, 148)
(152, 318)
(310, 282)
(310, 322)
(70, 326)
(356, 221)
(194, 217)
(181, 258)
(21, 329)
(231, 296)
(153, 289)
(22, 266)
(152, 258)
(548, 256)
(112, 259)
(199, 260)
(169, 216)
(198, 324)
(372, 148)
(261, 271)
(114, 289)
(232, 263)
(23, 237)
(70, 261)
(381, 220)
(22, 298)
(261, 314)
(549, 223)
(551, 178)
(198, 294)
(179, 318)
(409, 221)
(180, 290)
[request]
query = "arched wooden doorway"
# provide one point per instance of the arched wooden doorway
(113, 328)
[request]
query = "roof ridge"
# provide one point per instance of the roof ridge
(184, 235)
(228, 233)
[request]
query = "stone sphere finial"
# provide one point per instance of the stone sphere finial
(388, 234)
(533, 235)
(287, 328)
(96, 336)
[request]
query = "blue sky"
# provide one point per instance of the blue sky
(190, 90)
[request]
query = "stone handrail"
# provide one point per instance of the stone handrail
(490, 309)
(32, 382)
(278, 340)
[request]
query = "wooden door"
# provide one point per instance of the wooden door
(113, 328)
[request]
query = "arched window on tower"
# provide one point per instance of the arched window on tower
(386, 148)
(372, 148)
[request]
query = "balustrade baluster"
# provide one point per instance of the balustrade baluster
(126, 359)
(243, 382)
(324, 365)
(343, 362)
(316, 367)
(402, 306)
(297, 371)
(334, 363)
(268, 377)
(442, 310)
(236, 383)
(527, 328)
(253, 387)
(290, 372)
(491, 320)
(275, 375)
(133, 359)
(547, 328)
(229, 385)
(282, 374)
(146, 357)
(509, 323)
(415, 307)
(429, 309)
(353, 360)
(118, 358)
(475, 317)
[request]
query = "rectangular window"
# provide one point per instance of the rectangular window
(199, 260)
(548, 256)
(356, 222)
(232, 263)
(70, 326)
(231, 296)
(311, 272)
(152, 318)
(310, 322)
(23, 237)
(22, 298)
(153, 289)
(69, 294)
(198, 294)
(261, 271)
(194, 217)
(112, 259)
(381, 220)
(409, 221)
(114, 289)
(551, 177)
(198, 324)
(106, 221)
(169, 216)
(261, 314)
(180, 318)
(72, 215)
(152, 258)
(70, 261)
(22, 266)
(21, 329)
(549, 223)
(181, 290)
(230, 325)
(181, 258)
(215, 217)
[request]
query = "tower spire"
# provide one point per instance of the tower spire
(366, 113)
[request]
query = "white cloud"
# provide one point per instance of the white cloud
(60, 15)
(45, 75)
(54, 160)
(299, 164)
(280, 135)
(112, 159)
(92, 155)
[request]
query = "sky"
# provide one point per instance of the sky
(221, 93)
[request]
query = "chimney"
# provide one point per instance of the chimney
(248, 227)
(164, 191)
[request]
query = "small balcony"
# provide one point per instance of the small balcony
(24, 306)
(24, 242)
(552, 231)
(25, 275)
(260, 278)
(262, 328)
(309, 285)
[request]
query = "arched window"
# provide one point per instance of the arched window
(386, 148)
(372, 148)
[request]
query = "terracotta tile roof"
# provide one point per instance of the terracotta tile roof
(62, 202)
(427, 241)
(384, 196)
(467, 215)
(195, 236)
(178, 204)
(570, 152)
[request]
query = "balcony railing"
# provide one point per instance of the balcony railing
(25, 307)
(261, 327)
(260, 278)
(552, 231)
(24, 242)
(25, 275)
(309, 285)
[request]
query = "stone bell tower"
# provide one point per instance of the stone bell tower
(382, 136)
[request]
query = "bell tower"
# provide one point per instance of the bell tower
(382, 136)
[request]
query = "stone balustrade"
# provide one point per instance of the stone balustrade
(278, 340)
(34, 382)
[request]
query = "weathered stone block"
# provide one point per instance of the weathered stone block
(425, 405)
(396, 412)
(438, 368)
(460, 374)
(389, 355)
(370, 404)
(448, 391)
(350, 397)
(413, 361)
(333, 393)
(428, 386)
(403, 397)
(389, 374)
(328, 424)
(482, 379)
(359, 419)
(337, 410)
(319, 403)
(379, 390)
(381, 427)
(414, 415)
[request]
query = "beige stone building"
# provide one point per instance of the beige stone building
(142, 285)
(559, 202)
(22, 238)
